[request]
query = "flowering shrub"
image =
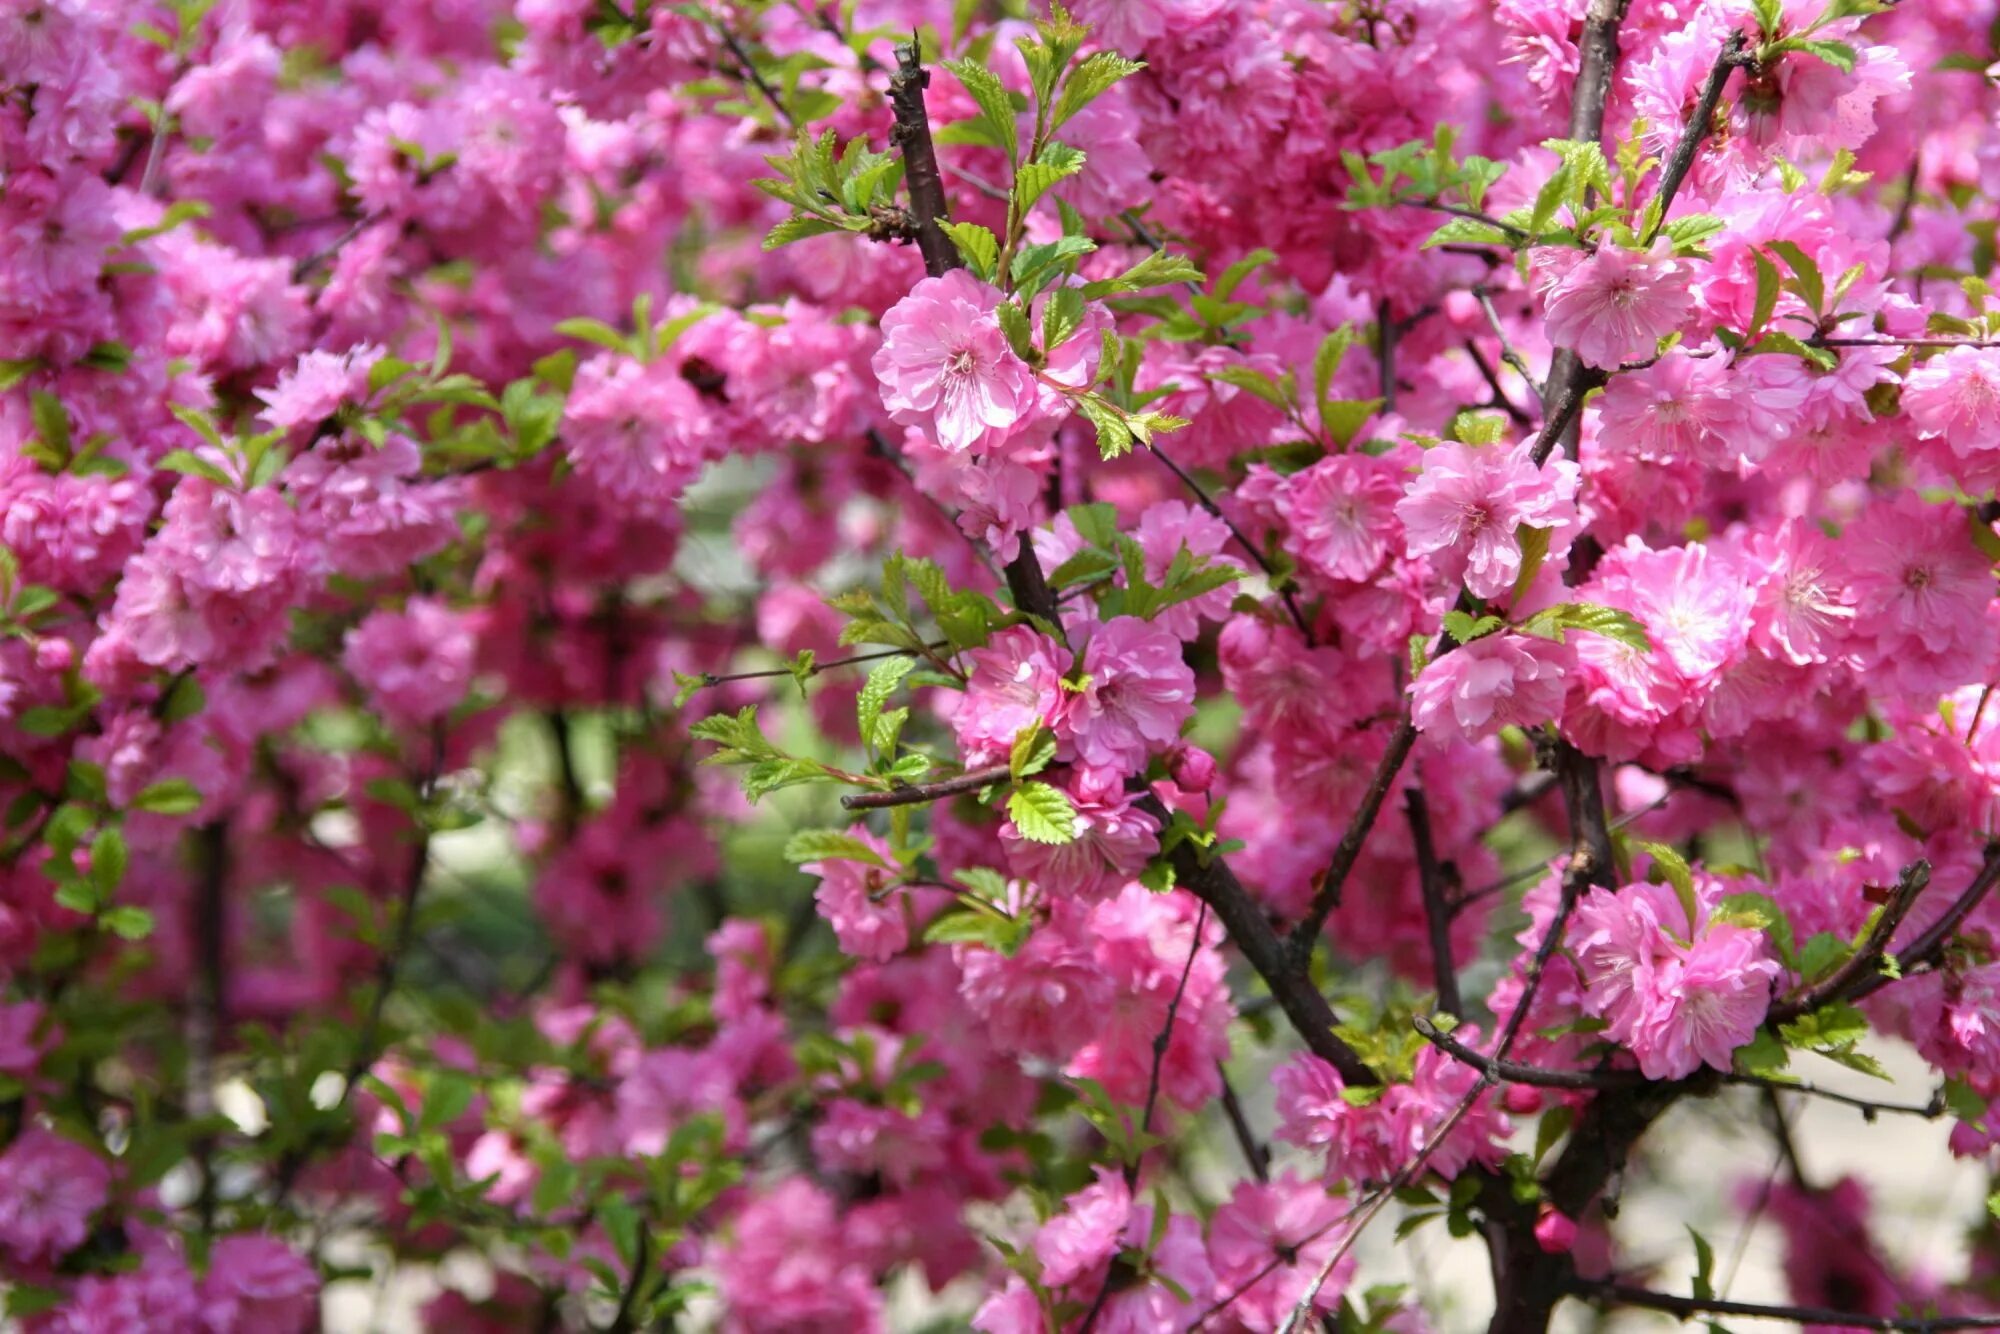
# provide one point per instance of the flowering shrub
(737, 659)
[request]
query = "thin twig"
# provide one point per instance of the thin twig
(1161, 1041)
(1681, 160)
(1437, 910)
(1928, 948)
(756, 77)
(1255, 1153)
(1626, 1294)
(1208, 503)
(1306, 934)
(1514, 411)
(1865, 962)
(917, 794)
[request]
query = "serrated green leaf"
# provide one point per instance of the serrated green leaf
(1035, 179)
(830, 845)
(883, 679)
(1042, 814)
(1089, 79)
(996, 106)
(977, 246)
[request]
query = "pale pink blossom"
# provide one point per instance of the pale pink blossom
(1615, 305)
(1495, 681)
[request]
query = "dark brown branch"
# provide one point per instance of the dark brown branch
(1866, 962)
(1256, 1154)
(1928, 948)
(1217, 886)
(1625, 1294)
(1306, 934)
(208, 1005)
(912, 137)
(917, 794)
(1605, 1080)
(1597, 62)
(1437, 909)
(1681, 161)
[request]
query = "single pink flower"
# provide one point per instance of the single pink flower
(1614, 306)
(946, 368)
(1136, 694)
(1466, 509)
(853, 897)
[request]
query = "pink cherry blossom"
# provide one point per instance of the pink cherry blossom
(1466, 509)
(946, 368)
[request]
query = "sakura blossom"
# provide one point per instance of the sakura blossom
(1062, 669)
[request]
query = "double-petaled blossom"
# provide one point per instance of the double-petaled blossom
(856, 897)
(1496, 681)
(1614, 305)
(1466, 509)
(1678, 993)
(1135, 693)
(946, 368)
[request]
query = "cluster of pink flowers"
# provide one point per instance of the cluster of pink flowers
(415, 464)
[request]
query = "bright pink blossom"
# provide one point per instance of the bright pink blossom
(1466, 510)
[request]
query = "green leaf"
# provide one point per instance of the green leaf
(1042, 814)
(977, 245)
(109, 857)
(173, 796)
(883, 680)
(1673, 868)
(1086, 565)
(1034, 747)
(1253, 382)
(1343, 418)
(194, 465)
(1062, 315)
(1767, 294)
(1089, 80)
(51, 422)
(996, 106)
(1553, 622)
(798, 228)
(830, 845)
(1704, 1265)
(1749, 908)
(1805, 273)
(1326, 364)
(1837, 54)
(1095, 523)
(1534, 545)
(1160, 269)
(1037, 178)
(13, 371)
(1114, 437)
(1020, 334)
(1550, 198)
(1464, 628)
(598, 332)
(127, 922)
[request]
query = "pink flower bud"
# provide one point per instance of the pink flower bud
(1193, 768)
(1521, 1099)
(54, 655)
(1555, 1230)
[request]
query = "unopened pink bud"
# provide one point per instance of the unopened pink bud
(1193, 768)
(1555, 1231)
